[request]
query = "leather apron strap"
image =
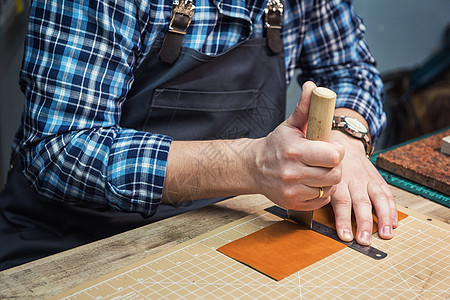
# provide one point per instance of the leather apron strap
(183, 12)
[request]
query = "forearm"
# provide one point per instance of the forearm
(284, 166)
(207, 169)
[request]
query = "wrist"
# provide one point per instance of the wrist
(252, 166)
(355, 129)
(245, 152)
(348, 141)
(208, 169)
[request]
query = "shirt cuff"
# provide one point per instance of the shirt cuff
(136, 171)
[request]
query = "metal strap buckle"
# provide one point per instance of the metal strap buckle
(274, 8)
(182, 13)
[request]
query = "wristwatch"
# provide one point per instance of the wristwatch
(356, 129)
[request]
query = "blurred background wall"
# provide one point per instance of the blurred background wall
(13, 22)
(402, 34)
(407, 39)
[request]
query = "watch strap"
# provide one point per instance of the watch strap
(340, 123)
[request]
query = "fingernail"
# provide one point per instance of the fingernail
(394, 222)
(365, 237)
(387, 230)
(347, 234)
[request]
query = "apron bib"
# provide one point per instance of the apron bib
(240, 93)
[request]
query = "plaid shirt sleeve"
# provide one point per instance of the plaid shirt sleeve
(335, 55)
(77, 69)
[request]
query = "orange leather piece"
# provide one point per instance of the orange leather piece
(281, 249)
(285, 247)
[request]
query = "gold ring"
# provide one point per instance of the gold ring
(320, 192)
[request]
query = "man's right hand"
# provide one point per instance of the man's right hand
(291, 168)
(284, 166)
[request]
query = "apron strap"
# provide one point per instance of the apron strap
(274, 20)
(181, 19)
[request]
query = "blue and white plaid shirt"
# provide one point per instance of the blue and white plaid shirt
(79, 61)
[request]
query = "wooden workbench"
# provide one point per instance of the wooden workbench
(54, 274)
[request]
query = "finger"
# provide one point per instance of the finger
(321, 154)
(302, 204)
(312, 176)
(316, 203)
(394, 212)
(380, 201)
(299, 118)
(362, 208)
(307, 198)
(322, 192)
(308, 193)
(342, 207)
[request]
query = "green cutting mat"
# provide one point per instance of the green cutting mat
(407, 184)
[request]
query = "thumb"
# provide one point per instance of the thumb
(299, 118)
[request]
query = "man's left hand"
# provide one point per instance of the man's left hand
(360, 189)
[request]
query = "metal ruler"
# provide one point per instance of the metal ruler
(331, 233)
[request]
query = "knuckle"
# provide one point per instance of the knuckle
(335, 158)
(342, 201)
(361, 201)
(390, 197)
(336, 175)
(290, 153)
(331, 191)
(380, 195)
(288, 175)
(289, 195)
(394, 212)
(385, 220)
(365, 222)
(342, 222)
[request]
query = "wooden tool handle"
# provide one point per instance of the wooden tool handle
(321, 113)
(320, 120)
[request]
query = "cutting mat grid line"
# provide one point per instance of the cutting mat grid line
(257, 226)
(403, 279)
(412, 269)
(300, 285)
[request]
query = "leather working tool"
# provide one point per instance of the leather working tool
(320, 120)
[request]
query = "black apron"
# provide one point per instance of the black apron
(240, 93)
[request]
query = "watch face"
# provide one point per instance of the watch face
(355, 125)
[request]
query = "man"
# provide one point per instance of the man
(122, 126)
